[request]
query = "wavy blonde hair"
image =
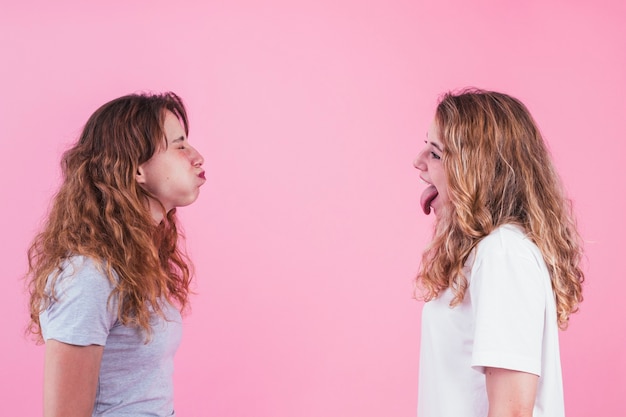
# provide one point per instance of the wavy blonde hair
(101, 212)
(499, 171)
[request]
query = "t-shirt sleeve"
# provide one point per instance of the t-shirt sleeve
(508, 301)
(81, 314)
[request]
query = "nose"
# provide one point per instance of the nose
(419, 161)
(197, 160)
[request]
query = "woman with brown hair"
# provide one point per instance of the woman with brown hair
(502, 274)
(107, 279)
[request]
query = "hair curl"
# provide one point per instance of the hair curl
(499, 171)
(101, 212)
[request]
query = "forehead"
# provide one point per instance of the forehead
(432, 136)
(172, 126)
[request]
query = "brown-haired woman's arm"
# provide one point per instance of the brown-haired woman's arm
(510, 393)
(70, 379)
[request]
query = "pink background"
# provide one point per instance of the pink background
(308, 232)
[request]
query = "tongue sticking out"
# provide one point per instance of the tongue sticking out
(428, 196)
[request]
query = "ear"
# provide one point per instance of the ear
(140, 176)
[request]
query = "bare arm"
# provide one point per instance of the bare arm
(70, 379)
(510, 393)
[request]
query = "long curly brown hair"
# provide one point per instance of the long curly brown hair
(102, 213)
(499, 171)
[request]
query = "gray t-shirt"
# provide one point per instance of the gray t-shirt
(135, 378)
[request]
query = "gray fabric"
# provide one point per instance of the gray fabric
(135, 378)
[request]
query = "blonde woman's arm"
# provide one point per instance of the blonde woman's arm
(510, 393)
(70, 379)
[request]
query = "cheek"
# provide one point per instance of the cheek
(439, 173)
(183, 159)
(442, 180)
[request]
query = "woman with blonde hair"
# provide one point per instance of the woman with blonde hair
(107, 278)
(502, 274)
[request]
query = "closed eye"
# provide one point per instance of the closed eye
(180, 142)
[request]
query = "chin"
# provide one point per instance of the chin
(437, 209)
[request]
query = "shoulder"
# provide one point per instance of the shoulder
(508, 242)
(507, 238)
(507, 262)
(81, 310)
(83, 271)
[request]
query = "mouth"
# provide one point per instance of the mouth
(428, 196)
(201, 175)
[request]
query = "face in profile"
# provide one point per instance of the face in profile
(429, 162)
(174, 174)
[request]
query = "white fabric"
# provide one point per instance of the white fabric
(506, 320)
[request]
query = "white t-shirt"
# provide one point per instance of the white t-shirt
(507, 320)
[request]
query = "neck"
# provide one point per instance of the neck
(156, 210)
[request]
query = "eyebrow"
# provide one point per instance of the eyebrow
(433, 143)
(179, 139)
(436, 146)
